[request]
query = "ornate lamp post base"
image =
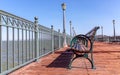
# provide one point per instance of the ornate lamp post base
(65, 45)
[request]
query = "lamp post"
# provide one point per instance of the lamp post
(64, 31)
(70, 30)
(114, 29)
(73, 31)
(102, 32)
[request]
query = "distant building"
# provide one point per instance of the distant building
(106, 38)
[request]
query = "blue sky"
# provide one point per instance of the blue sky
(84, 14)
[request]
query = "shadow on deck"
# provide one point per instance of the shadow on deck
(62, 61)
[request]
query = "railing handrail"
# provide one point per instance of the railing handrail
(13, 16)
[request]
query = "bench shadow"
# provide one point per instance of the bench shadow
(59, 52)
(62, 61)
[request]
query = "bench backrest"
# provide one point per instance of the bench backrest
(91, 34)
(87, 40)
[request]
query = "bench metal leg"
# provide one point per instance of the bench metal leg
(92, 63)
(69, 66)
(77, 56)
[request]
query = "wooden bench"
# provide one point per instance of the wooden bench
(82, 46)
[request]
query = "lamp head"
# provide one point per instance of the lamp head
(63, 6)
(113, 21)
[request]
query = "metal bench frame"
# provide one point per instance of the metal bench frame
(84, 39)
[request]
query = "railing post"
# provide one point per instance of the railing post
(59, 38)
(52, 37)
(67, 39)
(36, 38)
(0, 44)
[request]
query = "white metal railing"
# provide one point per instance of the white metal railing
(23, 41)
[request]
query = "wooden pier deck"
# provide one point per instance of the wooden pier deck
(106, 58)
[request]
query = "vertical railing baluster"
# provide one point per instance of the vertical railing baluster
(7, 44)
(22, 43)
(13, 42)
(40, 40)
(26, 42)
(32, 45)
(29, 43)
(59, 38)
(39, 43)
(0, 44)
(18, 48)
(36, 39)
(7, 47)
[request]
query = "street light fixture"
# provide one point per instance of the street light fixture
(74, 33)
(102, 32)
(64, 31)
(64, 6)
